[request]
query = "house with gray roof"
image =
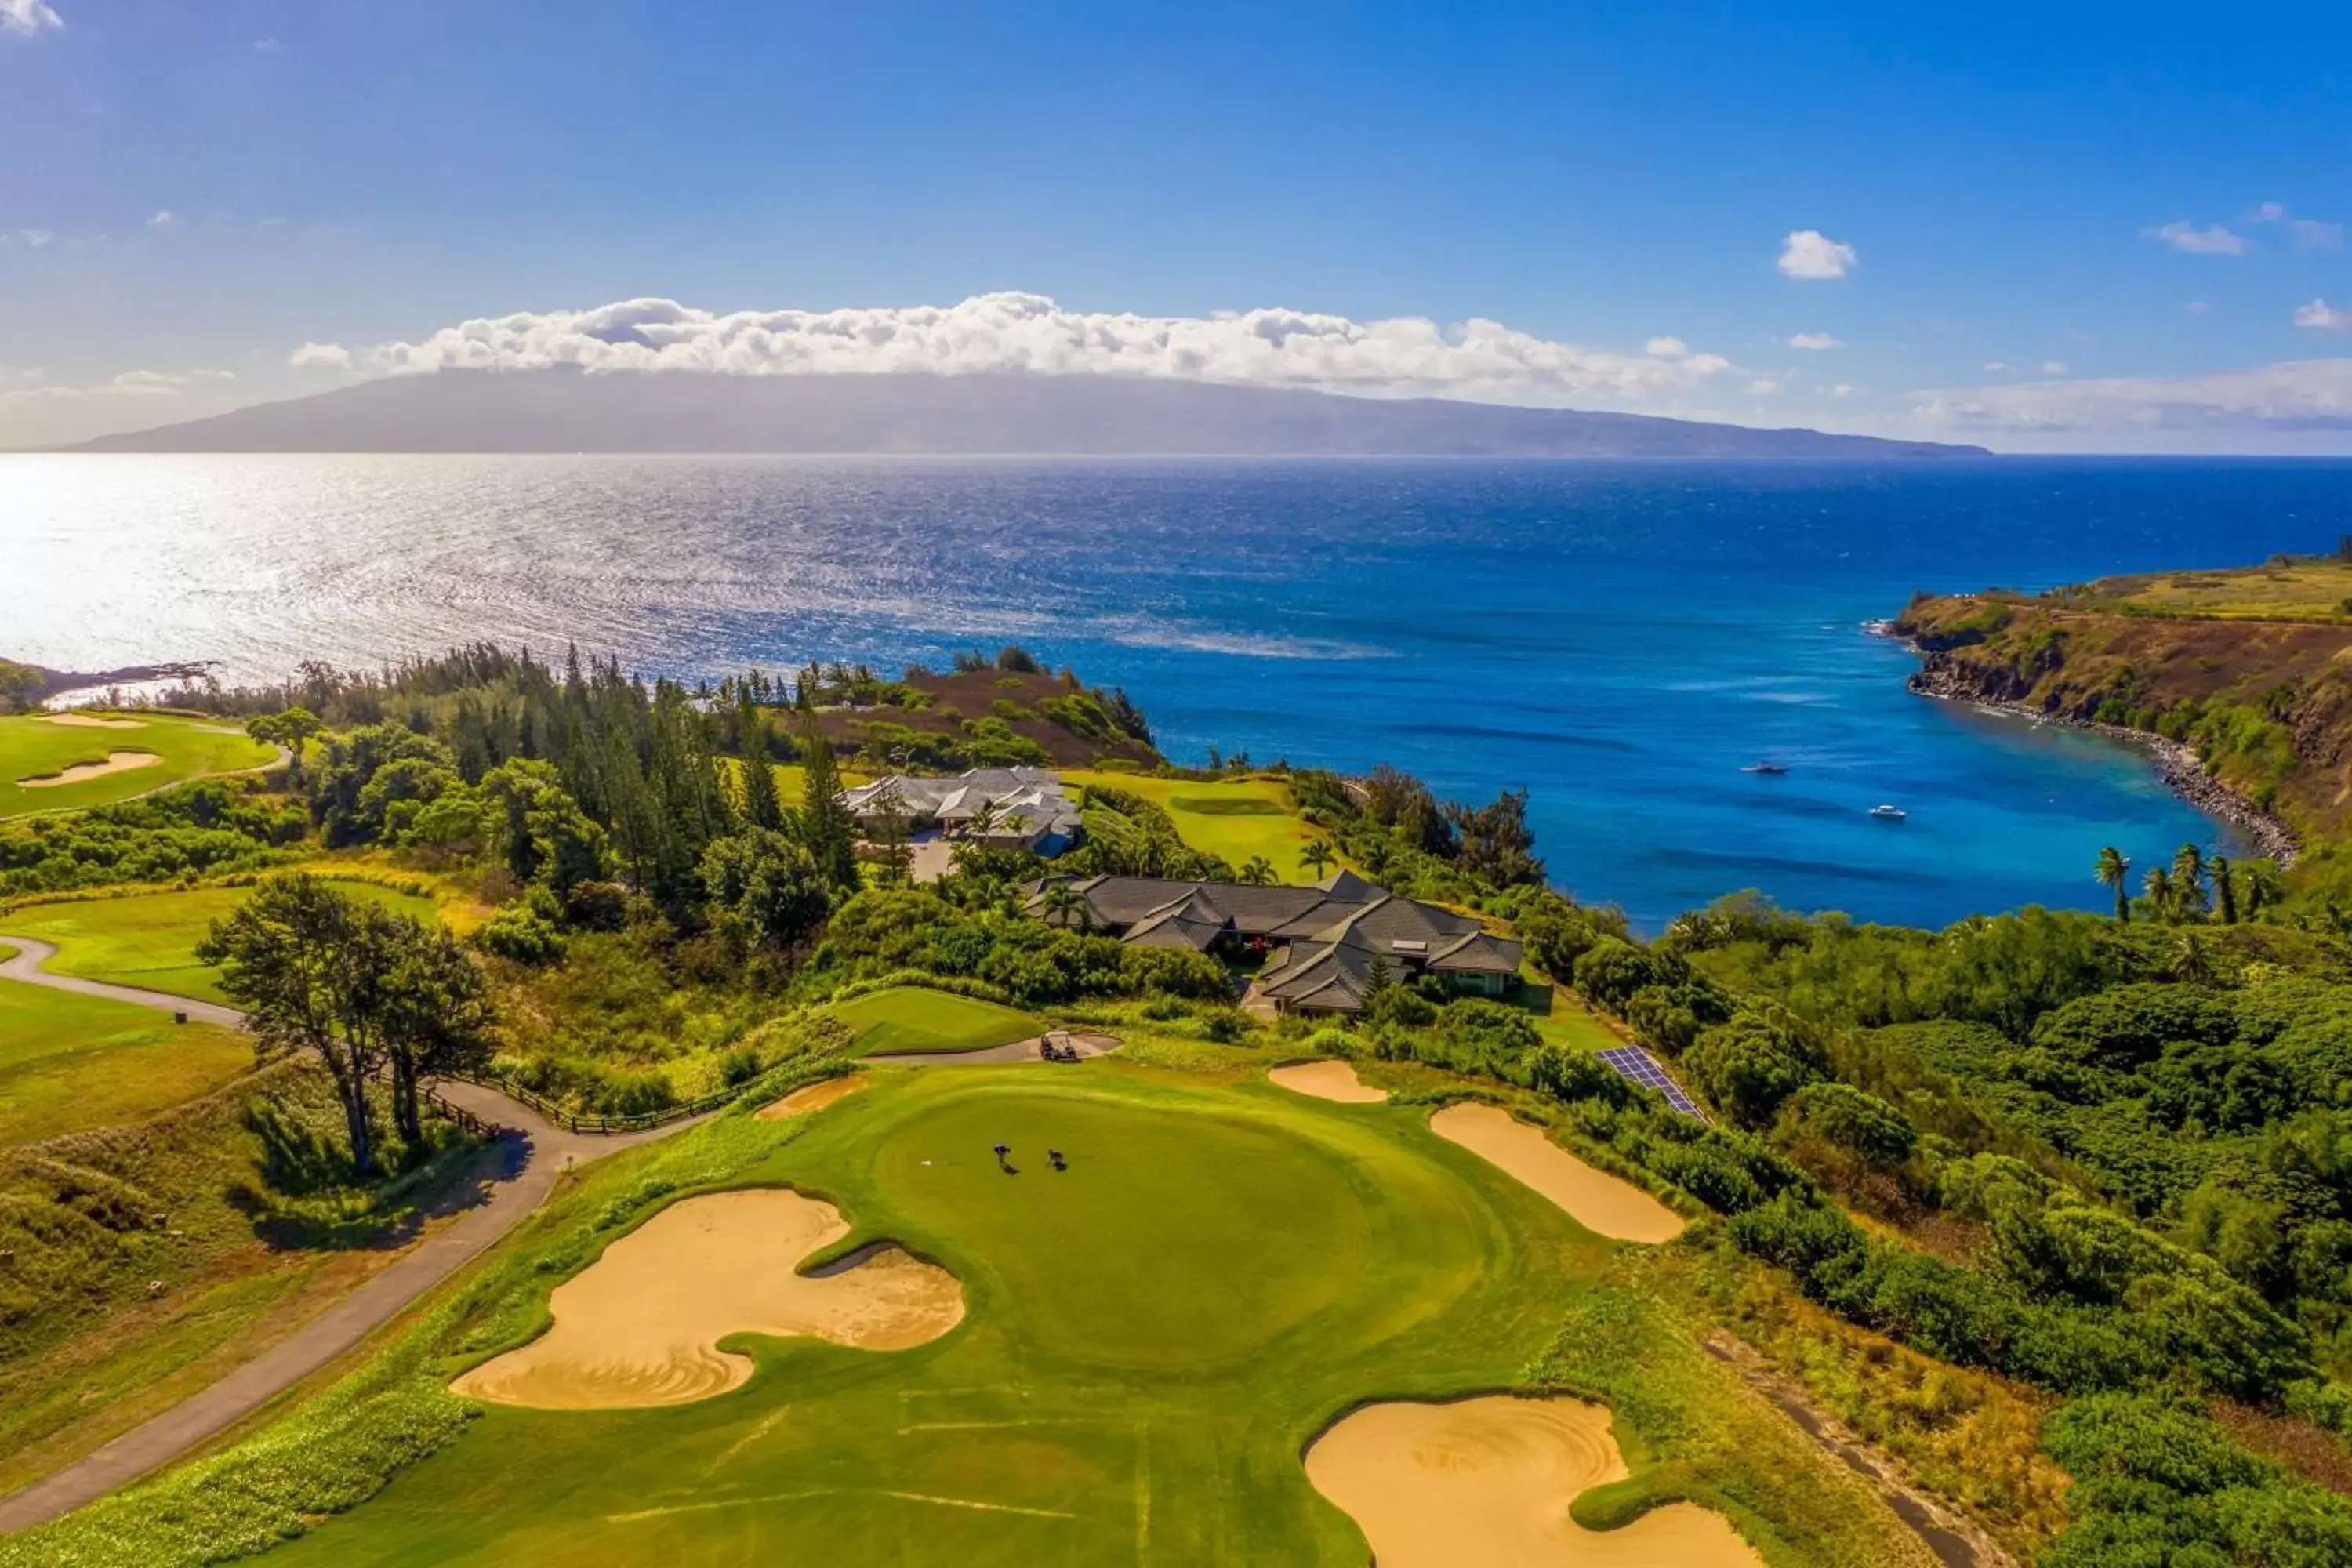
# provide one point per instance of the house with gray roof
(1003, 809)
(1322, 942)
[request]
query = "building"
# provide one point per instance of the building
(1003, 809)
(1321, 942)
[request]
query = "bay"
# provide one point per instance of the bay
(1619, 639)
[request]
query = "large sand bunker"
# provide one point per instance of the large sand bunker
(92, 722)
(641, 1325)
(120, 763)
(813, 1098)
(1597, 1201)
(1331, 1080)
(1489, 1480)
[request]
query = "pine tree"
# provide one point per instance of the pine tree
(762, 809)
(827, 829)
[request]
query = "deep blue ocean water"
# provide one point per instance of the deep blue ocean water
(1619, 639)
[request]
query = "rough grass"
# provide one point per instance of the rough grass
(2304, 591)
(31, 745)
(1153, 1338)
(909, 1019)
(68, 1063)
(150, 940)
(1236, 819)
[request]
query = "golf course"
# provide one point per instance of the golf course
(67, 762)
(861, 1333)
(68, 1063)
(149, 940)
(906, 1020)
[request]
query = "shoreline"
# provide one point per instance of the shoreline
(2176, 761)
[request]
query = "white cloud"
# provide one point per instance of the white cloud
(162, 220)
(1815, 340)
(2309, 234)
(1480, 360)
(30, 239)
(27, 17)
(2197, 307)
(2053, 367)
(1995, 366)
(1808, 254)
(2211, 240)
(1843, 389)
(268, 46)
(2297, 396)
(321, 356)
(1764, 386)
(2323, 317)
(1666, 348)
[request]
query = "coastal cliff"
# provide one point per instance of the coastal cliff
(2249, 716)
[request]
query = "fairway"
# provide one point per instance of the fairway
(74, 747)
(913, 1018)
(69, 1063)
(1234, 819)
(1153, 1335)
(150, 940)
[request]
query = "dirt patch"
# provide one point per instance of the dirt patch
(1599, 1202)
(1328, 1081)
(120, 763)
(813, 1098)
(1489, 1481)
(641, 1325)
(91, 721)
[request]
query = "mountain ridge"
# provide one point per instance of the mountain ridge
(970, 414)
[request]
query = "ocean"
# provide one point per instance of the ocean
(1619, 639)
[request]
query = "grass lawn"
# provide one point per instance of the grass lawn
(150, 940)
(1235, 819)
(792, 779)
(34, 745)
(1151, 1339)
(69, 1063)
(915, 1018)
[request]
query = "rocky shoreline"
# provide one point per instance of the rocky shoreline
(2177, 763)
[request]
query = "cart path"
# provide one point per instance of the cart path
(536, 1154)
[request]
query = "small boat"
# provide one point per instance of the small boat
(1889, 813)
(1773, 769)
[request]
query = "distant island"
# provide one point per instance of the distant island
(974, 414)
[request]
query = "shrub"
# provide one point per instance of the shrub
(520, 933)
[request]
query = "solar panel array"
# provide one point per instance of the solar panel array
(1637, 1066)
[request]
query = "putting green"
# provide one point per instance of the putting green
(915, 1018)
(71, 749)
(1152, 1337)
(150, 940)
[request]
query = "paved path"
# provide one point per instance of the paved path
(536, 1153)
(1029, 1050)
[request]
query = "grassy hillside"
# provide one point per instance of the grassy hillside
(68, 1063)
(915, 1018)
(1234, 819)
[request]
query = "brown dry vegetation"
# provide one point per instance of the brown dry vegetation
(982, 694)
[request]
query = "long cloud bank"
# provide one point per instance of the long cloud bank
(2296, 396)
(1479, 360)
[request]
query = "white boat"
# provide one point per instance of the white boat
(1889, 813)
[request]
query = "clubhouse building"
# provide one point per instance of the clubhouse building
(1321, 941)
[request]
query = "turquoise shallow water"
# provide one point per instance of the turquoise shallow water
(1619, 639)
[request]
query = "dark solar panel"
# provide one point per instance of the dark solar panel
(1637, 1066)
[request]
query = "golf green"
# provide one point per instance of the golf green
(60, 762)
(1153, 1334)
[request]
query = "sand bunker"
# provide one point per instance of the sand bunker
(1597, 1201)
(813, 1098)
(1489, 1480)
(120, 763)
(92, 722)
(641, 1325)
(1328, 1081)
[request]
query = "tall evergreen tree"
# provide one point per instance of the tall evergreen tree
(827, 829)
(762, 809)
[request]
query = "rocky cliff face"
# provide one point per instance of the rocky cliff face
(2260, 709)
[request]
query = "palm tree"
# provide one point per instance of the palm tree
(2189, 963)
(2158, 888)
(2262, 886)
(1065, 905)
(2189, 881)
(1258, 871)
(1316, 857)
(2113, 871)
(2225, 888)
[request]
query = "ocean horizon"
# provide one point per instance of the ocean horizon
(1620, 638)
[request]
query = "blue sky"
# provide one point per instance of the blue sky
(194, 192)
